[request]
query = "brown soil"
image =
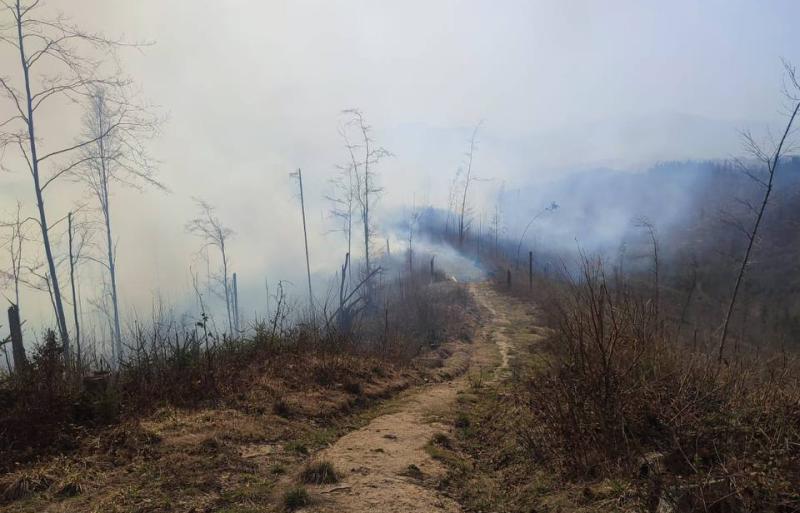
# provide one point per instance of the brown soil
(384, 467)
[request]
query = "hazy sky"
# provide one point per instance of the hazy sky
(253, 90)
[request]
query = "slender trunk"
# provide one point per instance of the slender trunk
(464, 203)
(366, 210)
(350, 224)
(74, 294)
(772, 166)
(59, 307)
(110, 253)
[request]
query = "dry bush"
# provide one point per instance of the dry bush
(619, 396)
(318, 473)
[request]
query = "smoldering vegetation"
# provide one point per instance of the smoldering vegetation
(169, 364)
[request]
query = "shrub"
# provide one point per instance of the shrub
(619, 387)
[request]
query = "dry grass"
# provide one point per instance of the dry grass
(221, 449)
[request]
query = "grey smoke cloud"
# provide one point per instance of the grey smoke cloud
(253, 90)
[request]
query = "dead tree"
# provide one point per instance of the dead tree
(764, 178)
(117, 156)
(364, 156)
(70, 70)
(208, 227)
(468, 178)
(651, 233)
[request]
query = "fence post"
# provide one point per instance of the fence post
(530, 270)
(17, 349)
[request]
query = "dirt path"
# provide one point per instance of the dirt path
(384, 465)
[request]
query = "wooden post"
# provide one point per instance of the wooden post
(305, 238)
(235, 304)
(530, 270)
(17, 349)
(508, 278)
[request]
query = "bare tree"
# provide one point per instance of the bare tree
(468, 178)
(73, 71)
(117, 156)
(364, 156)
(768, 160)
(208, 227)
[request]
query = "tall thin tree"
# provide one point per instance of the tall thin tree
(116, 157)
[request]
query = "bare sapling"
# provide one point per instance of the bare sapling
(769, 161)
(214, 234)
(468, 179)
